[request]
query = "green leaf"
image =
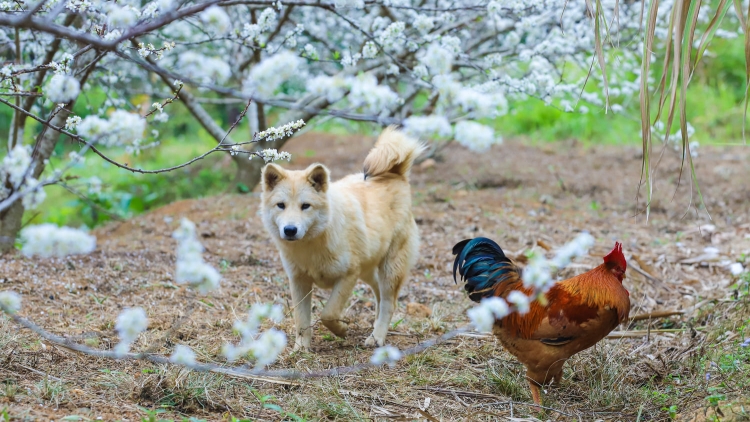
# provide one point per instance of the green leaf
(242, 188)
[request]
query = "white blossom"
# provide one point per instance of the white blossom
(129, 325)
(520, 301)
(17, 165)
(6, 71)
(267, 19)
(121, 128)
(424, 24)
(274, 133)
(578, 247)
(357, 4)
(190, 267)
(48, 240)
(71, 122)
(428, 126)
(475, 136)
(33, 194)
(497, 306)
(62, 89)
(489, 310)
(121, 17)
(10, 301)
(538, 274)
(267, 347)
(370, 50)
(392, 34)
(217, 19)
(271, 154)
(386, 354)
(420, 71)
(333, 88)
(311, 52)
(203, 68)
(482, 318)
(736, 268)
(268, 75)
(366, 94)
(350, 60)
(95, 185)
(183, 355)
(438, 59)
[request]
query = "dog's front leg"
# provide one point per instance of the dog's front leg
(302, 302)
(332, 315)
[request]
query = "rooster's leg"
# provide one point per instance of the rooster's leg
(558, 378)
(536, 393)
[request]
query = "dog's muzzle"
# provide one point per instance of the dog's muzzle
(290, 233)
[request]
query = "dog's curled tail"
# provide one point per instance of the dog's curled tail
(394, 152)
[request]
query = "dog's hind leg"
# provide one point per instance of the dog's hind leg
(332, 316)
(393, 272)
(302, 302)
(386, 307)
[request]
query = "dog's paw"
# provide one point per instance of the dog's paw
(337, 327)
(299, 347)
(372, 342)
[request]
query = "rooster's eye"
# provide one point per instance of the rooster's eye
(281, 205)
(305, 206)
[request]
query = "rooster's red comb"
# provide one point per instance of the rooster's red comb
(616, 257)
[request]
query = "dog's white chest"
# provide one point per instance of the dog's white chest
(323, 267)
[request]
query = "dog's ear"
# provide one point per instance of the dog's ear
(271, 176)
(317, 175)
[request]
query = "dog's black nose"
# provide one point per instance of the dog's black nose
(290, 231)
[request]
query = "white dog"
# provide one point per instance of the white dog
(331, 234)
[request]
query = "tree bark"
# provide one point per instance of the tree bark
(10, 224)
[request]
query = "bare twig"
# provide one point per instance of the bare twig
(232, 371)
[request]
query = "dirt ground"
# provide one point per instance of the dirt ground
(517, 194)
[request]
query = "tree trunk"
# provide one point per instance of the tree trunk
(11, 220)
(247, 174)
(10, 224)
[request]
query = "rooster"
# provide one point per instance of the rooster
(578, 311)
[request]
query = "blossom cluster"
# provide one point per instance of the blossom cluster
(10, 302)
(191, 269)
(386, 355)
(280, 132)
(16, 176)
(264, 347)
(129, 325)
(50, 241)
(121, 128)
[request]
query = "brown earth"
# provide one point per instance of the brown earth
(517, 194)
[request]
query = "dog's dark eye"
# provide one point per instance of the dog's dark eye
(305, 206)
(281, 205)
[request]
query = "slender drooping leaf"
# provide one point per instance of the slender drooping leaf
(665, 66)
(648, 44)
(745, 24)
(600, 51)
(721, 11)
(691, 18)
(598, 15)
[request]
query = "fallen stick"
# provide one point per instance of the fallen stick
(654, 315)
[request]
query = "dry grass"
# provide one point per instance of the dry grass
(471, 377)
